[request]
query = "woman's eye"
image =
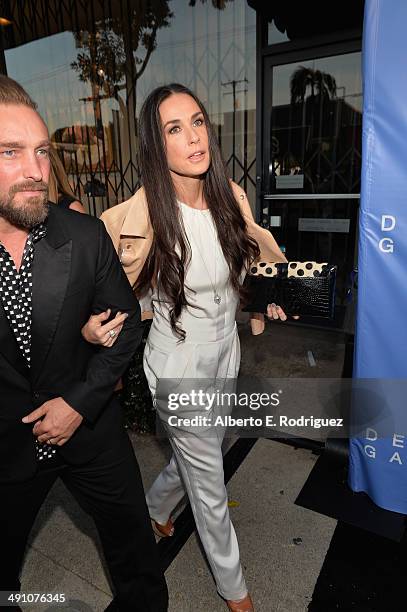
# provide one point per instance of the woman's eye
(175, 129)
(198, 122)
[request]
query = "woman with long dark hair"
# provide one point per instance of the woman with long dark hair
(187, 238)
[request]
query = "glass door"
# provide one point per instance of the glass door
(312, 159)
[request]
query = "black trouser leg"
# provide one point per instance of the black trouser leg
(19, 505)
(109, 488)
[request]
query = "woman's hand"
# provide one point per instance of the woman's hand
(96, 331)
(276, 312)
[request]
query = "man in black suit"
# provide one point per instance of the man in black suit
(58, 416)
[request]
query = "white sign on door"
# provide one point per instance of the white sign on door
(324, 225)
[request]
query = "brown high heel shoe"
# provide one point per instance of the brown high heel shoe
(242, 605)
(163, 531)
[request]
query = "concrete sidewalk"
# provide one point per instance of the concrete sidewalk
(282, 545)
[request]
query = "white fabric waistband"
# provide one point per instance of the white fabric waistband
(193, 337)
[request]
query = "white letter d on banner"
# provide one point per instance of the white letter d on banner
(388, 223)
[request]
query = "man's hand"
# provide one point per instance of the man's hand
(56, 421)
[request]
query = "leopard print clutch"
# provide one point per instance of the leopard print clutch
(304, 288)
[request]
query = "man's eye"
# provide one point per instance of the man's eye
(8, 153)
(43, 152)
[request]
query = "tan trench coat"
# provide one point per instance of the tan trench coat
(130, 230)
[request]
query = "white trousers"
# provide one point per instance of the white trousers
(196, 466)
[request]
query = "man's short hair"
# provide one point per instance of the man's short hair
(11, 92)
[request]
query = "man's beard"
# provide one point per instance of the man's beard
(33, 211)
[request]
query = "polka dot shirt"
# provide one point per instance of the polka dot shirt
(16, 297)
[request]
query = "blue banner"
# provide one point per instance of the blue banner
(378, 461)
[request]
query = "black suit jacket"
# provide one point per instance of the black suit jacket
(76, 272)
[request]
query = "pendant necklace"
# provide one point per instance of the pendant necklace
(216, 295)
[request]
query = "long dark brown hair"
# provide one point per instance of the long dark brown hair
(238, 247)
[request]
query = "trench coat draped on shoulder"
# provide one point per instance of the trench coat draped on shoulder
(129, 227)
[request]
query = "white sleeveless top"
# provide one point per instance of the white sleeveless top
(207, 273)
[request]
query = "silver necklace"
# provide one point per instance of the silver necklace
(216, 295)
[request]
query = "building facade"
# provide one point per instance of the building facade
(281, 82)
(90, 63)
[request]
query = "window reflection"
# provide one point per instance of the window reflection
(316, 125)
(89, 72)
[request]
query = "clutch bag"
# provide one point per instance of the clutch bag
(300, 287)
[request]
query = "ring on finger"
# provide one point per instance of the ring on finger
(112, 333)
